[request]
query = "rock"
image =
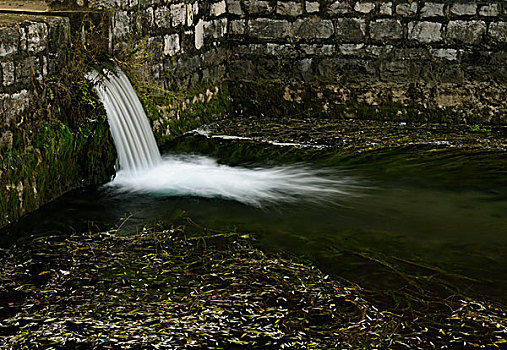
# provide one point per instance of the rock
(178, 14)
(425, 32)
(313, 28)
(447, 54)
(216, 28)
(431, 9)
(325, 50)
(312, 6)
(498, 31)
(490, 10)
(386, 29)
(339, 7)
(351, 29)
(468, 32)
(162, 17)
(199, 34)
(258, 7)
(386, 8)
(234, 7)
(37, 37)
(121, 24)
(406, 9)
(463, 9)
(265, 28)
(237, 27)
(289, 8)
(171, 44)
(8, 72)
(217, 8)
(9, 41)
(364, 7)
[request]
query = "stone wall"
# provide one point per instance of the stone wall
(419, 60)
(175, 53)
(193, 60)
(31, 48)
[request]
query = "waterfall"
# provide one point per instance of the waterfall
(132, 134)
(143, 170)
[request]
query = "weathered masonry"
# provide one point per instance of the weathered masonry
(409, 60)
(412, 60)
(440, 60)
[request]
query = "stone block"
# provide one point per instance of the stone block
(364, 7)
(406, 9)
(148, 18)
(163, 17)
(425, 32)
(17, 104)
(464, 9)
(346, 70)
(386, 8)
(234, 8)
(339, 7)
(399, 71)
(379, 51)
(351, 29)
(411, 53)
(258, 7)
(9, 42)
(289, 8)
(316, 49)
(313, 28)
(217, 8)
(387, 28)
(432, 9)
(171, 44)
(312, 6)
(237, 27)
(491, 10)
(498, 32)
(265, 28)
(216, 28)
(351, 49)
(446, 54)
(190, 15)
(280, 49)
(8, 73)
(467, 32)
(37, 37)
(199, 34)
(305, 68)
(178, 14)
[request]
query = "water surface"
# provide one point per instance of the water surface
(435, 214)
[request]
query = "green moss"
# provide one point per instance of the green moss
(185, 109)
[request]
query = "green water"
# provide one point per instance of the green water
(425, 217)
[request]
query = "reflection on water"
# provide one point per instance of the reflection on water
(439, 217)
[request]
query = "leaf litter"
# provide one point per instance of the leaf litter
(187, 287)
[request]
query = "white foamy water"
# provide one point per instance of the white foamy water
(142, 170)
(203, 177)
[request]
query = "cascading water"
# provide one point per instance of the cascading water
(143, 170)
(134, 140)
